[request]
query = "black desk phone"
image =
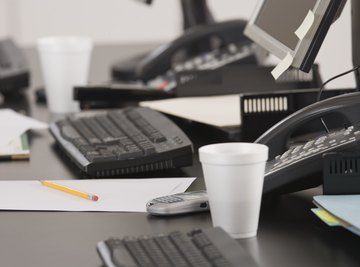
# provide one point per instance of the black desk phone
(296, 166)
(14, 71)
(153, 75)
(222, 39)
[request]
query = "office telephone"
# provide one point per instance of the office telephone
(154, 76)
(167, 56)
(295, 166)
(14, 71)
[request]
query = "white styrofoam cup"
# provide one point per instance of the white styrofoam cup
(234, 177)
(65, 62)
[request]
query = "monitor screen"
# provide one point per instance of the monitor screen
(283, 28)
(274, 23)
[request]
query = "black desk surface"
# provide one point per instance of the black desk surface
(289, 234)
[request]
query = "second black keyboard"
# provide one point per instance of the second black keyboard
(122, 141)
(211, 247)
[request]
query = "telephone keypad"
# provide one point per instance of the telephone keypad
(324, 143)
(169, 199)
(216, 58)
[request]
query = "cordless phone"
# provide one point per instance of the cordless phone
(187, 202)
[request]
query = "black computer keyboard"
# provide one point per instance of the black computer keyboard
(209, 247)
(122, 141)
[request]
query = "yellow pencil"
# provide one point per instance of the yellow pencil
(69, 190)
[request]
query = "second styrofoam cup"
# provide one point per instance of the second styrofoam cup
(65, 62)
(234, 177)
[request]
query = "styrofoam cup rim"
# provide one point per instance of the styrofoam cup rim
(64, 43)
(238, 153)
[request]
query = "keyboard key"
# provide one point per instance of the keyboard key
(120, 254)
(137, 250)
(114, 131)
(93, 156)
(211, 252)
(132, 114)
(86, 132)
(72, 135)
(122, 122)
(146, 128)
(126, 142)
(133, 151)
(220, 262)
(99, 131)
(99, 155)
(119, 151)
(78, 142)
(147, 147)
(171, 251)
(139, 138)
(87, 148)
(201, 240)
(188, 249)
(157, 137)
(107, 154)
(155, 252)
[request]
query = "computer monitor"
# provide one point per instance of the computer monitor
(274, 23)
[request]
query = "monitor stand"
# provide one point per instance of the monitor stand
(355, 25)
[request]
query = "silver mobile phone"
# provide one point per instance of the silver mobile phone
(187, 202)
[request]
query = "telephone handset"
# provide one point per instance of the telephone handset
(299, 166)
(161, 60)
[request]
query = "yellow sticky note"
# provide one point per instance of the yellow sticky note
(326, 217)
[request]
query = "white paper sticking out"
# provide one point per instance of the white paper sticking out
(305, 25)
(115, 195)
(282, 66)
(218, 111)
(14, 124)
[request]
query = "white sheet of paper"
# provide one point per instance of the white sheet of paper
(305, 25)
(220, 111)
(14, 124)
(282, 66)
(115, 195)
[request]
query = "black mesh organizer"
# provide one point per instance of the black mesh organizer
(341, 173)
(266, 109)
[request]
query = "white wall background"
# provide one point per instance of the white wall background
(126, 21)
(3, 19)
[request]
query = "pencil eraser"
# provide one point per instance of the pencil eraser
(94, 198)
